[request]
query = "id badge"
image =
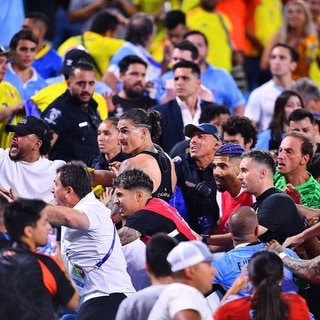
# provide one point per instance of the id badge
(78, 275)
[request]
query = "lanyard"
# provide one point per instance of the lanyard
(108, 254)
(104, 259)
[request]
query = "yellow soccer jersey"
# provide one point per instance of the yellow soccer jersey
(100, 48)
(9, 97)
(314, 71)
(47, 95)
(153, 6)
(220, 51)
(158, 46)
(187, 5)
(268, 19)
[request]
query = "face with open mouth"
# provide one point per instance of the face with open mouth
(225, 173)
(21, 146)
(202, 145)
(131, 137)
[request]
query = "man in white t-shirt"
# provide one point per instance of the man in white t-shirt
(283, 61)
(24, 169)
(193, 275)
(90, 244)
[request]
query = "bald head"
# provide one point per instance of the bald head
(244, 225)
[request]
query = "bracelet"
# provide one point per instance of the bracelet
(282, 255)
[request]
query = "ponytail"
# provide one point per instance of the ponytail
(266, 273)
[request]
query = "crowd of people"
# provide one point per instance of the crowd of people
(160, 160)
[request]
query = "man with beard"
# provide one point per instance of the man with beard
(133, 93)
(73, 117)
(24, 169)
(226, 169)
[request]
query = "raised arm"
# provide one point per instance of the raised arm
(102, 177)
(296, 240)
(68, 217)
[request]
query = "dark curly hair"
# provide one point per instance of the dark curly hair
(243, 126)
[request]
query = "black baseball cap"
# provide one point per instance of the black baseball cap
(31, 125)
(72, 57)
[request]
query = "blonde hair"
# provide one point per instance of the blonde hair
(308, 27)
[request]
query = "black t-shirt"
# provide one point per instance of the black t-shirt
(99, 162)
(149, 223)
(75, 126)
(24, 280)
(277, 212)
(143, 102)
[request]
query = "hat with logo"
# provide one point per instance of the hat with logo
(31, 125)
(206, 128)
(72, 57)
(187, 254)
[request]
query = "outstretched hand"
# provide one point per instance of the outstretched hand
(293, 242)
(274, 246)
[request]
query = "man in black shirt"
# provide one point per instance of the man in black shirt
(33, 285)
(73, 117)
(277, 214)
(195, 177)
(142, 215)
(133, 93)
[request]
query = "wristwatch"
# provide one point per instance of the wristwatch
(205, 238)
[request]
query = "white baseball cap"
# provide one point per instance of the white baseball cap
(187, 254)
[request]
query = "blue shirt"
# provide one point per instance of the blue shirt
(264, 139)
(223, 87)
(27, 89)
(230, 266)
(217, 80)
(49, 65)
(11, 19)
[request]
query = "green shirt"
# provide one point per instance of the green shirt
(310, 190)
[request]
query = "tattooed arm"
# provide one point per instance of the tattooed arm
(128, 235)
(307, 269)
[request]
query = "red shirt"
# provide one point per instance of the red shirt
(239, 309)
